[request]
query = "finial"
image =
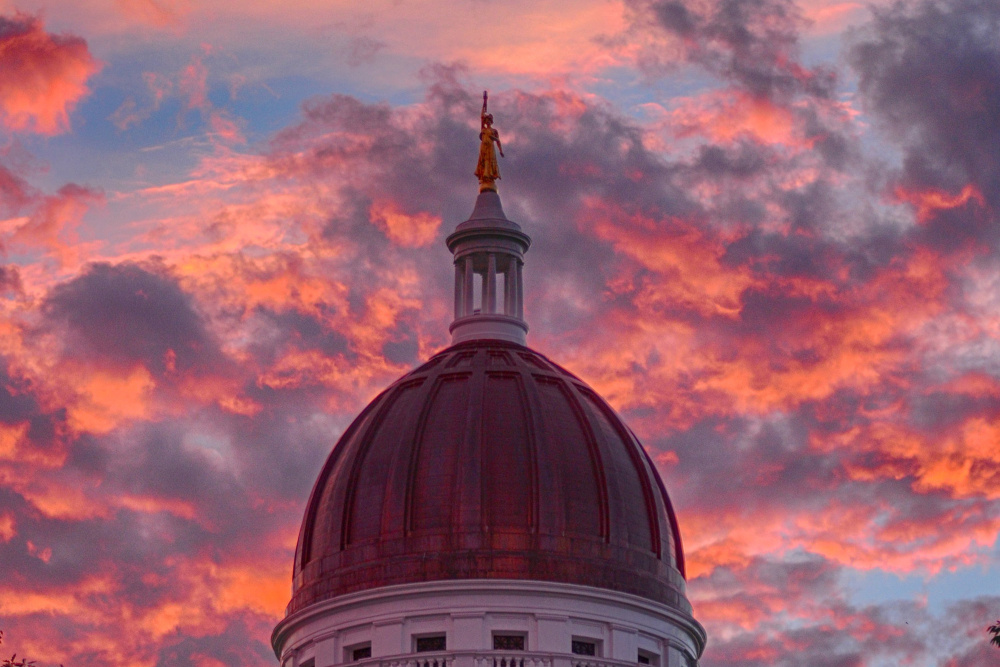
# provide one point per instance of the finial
(488, 169)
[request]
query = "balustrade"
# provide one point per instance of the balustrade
(490, 659)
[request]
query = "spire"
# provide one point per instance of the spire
(489, 253)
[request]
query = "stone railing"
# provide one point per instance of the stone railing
(511, 659)
(435, 659)
(591, 661)
(463, 658)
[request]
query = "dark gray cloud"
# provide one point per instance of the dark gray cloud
(842, 633)
(927, 73)
(127, 314)
(17, 402)
(231, 647)
(752, 43)
(22, 404)
(282, 330)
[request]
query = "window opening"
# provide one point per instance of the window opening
(508, 642)
(361, 653)
(435, 643)
(582, 647)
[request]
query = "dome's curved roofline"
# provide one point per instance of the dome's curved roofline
(489, 461)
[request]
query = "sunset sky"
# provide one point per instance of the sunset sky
(767, 231)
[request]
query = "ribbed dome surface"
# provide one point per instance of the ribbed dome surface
(489, 461)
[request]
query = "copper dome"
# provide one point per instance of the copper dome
(488, 462)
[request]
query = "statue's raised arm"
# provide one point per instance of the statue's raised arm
(488, 169)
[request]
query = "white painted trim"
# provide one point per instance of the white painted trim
(412, 606)
(495, 326)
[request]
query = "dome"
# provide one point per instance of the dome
(488, 507)
(489, 462)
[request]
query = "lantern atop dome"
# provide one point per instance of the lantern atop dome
(489, 256)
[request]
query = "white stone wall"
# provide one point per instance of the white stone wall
(469, 612)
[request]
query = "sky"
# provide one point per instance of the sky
(767, 231)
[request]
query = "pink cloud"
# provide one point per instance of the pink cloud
(226, 127)
(42, 76)
(51, 225)
(157, 13)
(193, 84)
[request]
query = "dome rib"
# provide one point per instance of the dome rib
(674, 546)
(509, 460)
(642, 530)
(394, 412)
(306, 533)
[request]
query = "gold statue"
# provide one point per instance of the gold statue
(488, 169)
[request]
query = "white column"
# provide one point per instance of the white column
(459, 280)
(387, 639)
(624, 644)
(490, 286)
(326, 653)
(520, 292)
(553, 634)
(508, 287)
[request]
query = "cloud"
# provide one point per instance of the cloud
(781, 334)
(126, 314)
(362, 50)
(158, 13)
(43, 75)
(15, 193)
(927, 75)
(130, 113)
(753, 43)
(193, 84)
(10, 279)
(52, 222)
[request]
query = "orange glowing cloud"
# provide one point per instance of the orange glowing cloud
(407, 230)
(928, 202)
(728, 115)
(830, 16)
(51, 226)
(42, 76)
(106, 399)
(838, 336)
(674, 247)
(961, 462)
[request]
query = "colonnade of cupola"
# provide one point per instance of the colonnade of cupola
(489, 293)
(495, 277)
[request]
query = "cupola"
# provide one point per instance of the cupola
(489, 256)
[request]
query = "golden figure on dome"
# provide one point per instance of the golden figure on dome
(488, 169)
